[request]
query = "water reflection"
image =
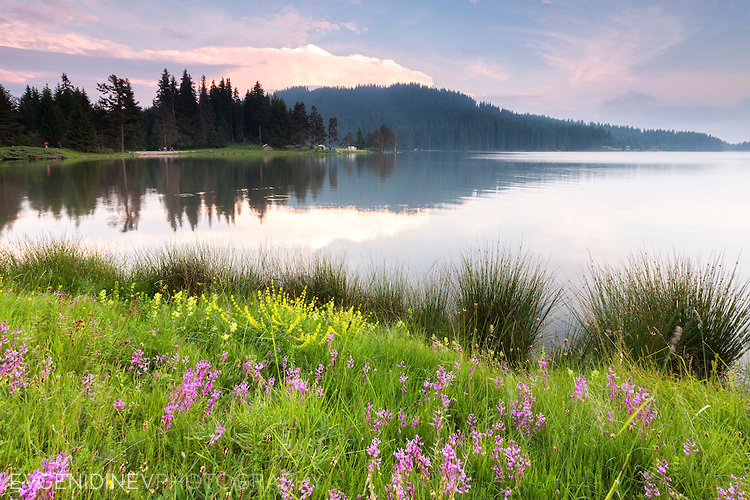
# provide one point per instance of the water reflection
(193, 191)
(416, 207)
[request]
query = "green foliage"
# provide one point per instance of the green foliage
(100, 370)
(431, 118)
(504, 300)
(675, 313)
(56, 265)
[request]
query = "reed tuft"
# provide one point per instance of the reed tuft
(673, 312)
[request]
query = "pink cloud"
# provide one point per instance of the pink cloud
(16, 76)
(307, 65)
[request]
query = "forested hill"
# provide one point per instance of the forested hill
(430, 118)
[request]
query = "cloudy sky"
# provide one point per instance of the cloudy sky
(675, 64)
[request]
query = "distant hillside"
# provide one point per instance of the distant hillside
(430, 118)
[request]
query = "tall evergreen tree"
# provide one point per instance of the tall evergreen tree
(256, 110)
(81, 134)
(50, 119)
(278, 124)
(206, 112)
(121, 108)
(333, 133)
(299, 123)
(188, 115)
(10, 123)
(316, 129)
(27, 109)
(360, 142)
(164, 102)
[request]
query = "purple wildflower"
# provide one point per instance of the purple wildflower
(581, 391)
(224, 355)
(139, 363)
(334, 356)
(409, 459)
(43, 480)
(294, 382)
(4, 479)
(286, 485)
(217, 433)
(49, 367)
(197, 386)
(690, 446)
(403, 378)
(89, 382)
(240, 391)
(735, 490)
(523, 416)
(12, 362)
(382, 417)
(515, 461)
(374, 451)
(453, 474)
(119, 404)
(305, 489)
(652, 482)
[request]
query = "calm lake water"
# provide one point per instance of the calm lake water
(412, 209)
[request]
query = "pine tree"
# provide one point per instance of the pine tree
(9, 119)
(256, 111)
(50, 119)
(316, 129)
(299, 123)
(81, 134)
(206, 112)
(187, 112)
(164, 102)
(278, 124)
(120, 107)
(333, 133)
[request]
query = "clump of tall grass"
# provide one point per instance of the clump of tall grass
(321, 277)
(192, 270)
(674, 312)
(58, 264)
(503, 300)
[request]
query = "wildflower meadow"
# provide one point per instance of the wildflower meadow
(117, 392)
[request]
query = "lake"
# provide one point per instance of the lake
(411, 209)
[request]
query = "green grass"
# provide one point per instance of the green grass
(30, 153)
(313, 423)
(676, 313)
(504, 299)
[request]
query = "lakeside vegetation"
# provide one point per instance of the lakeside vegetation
(187, 374)
(187, 114)
(28, 153)
(182, 116)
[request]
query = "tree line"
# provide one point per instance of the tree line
(187, 114)
(430, 118)
(184, 114)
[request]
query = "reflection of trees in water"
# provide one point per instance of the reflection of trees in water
(195, 190)
(191, 189)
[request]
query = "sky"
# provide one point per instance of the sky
(671, 64)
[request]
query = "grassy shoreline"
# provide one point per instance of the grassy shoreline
(28, 153)
(220, 391)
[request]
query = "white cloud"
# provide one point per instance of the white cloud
(277, 68)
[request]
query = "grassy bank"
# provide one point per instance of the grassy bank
(203, 388)
(28, 153)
